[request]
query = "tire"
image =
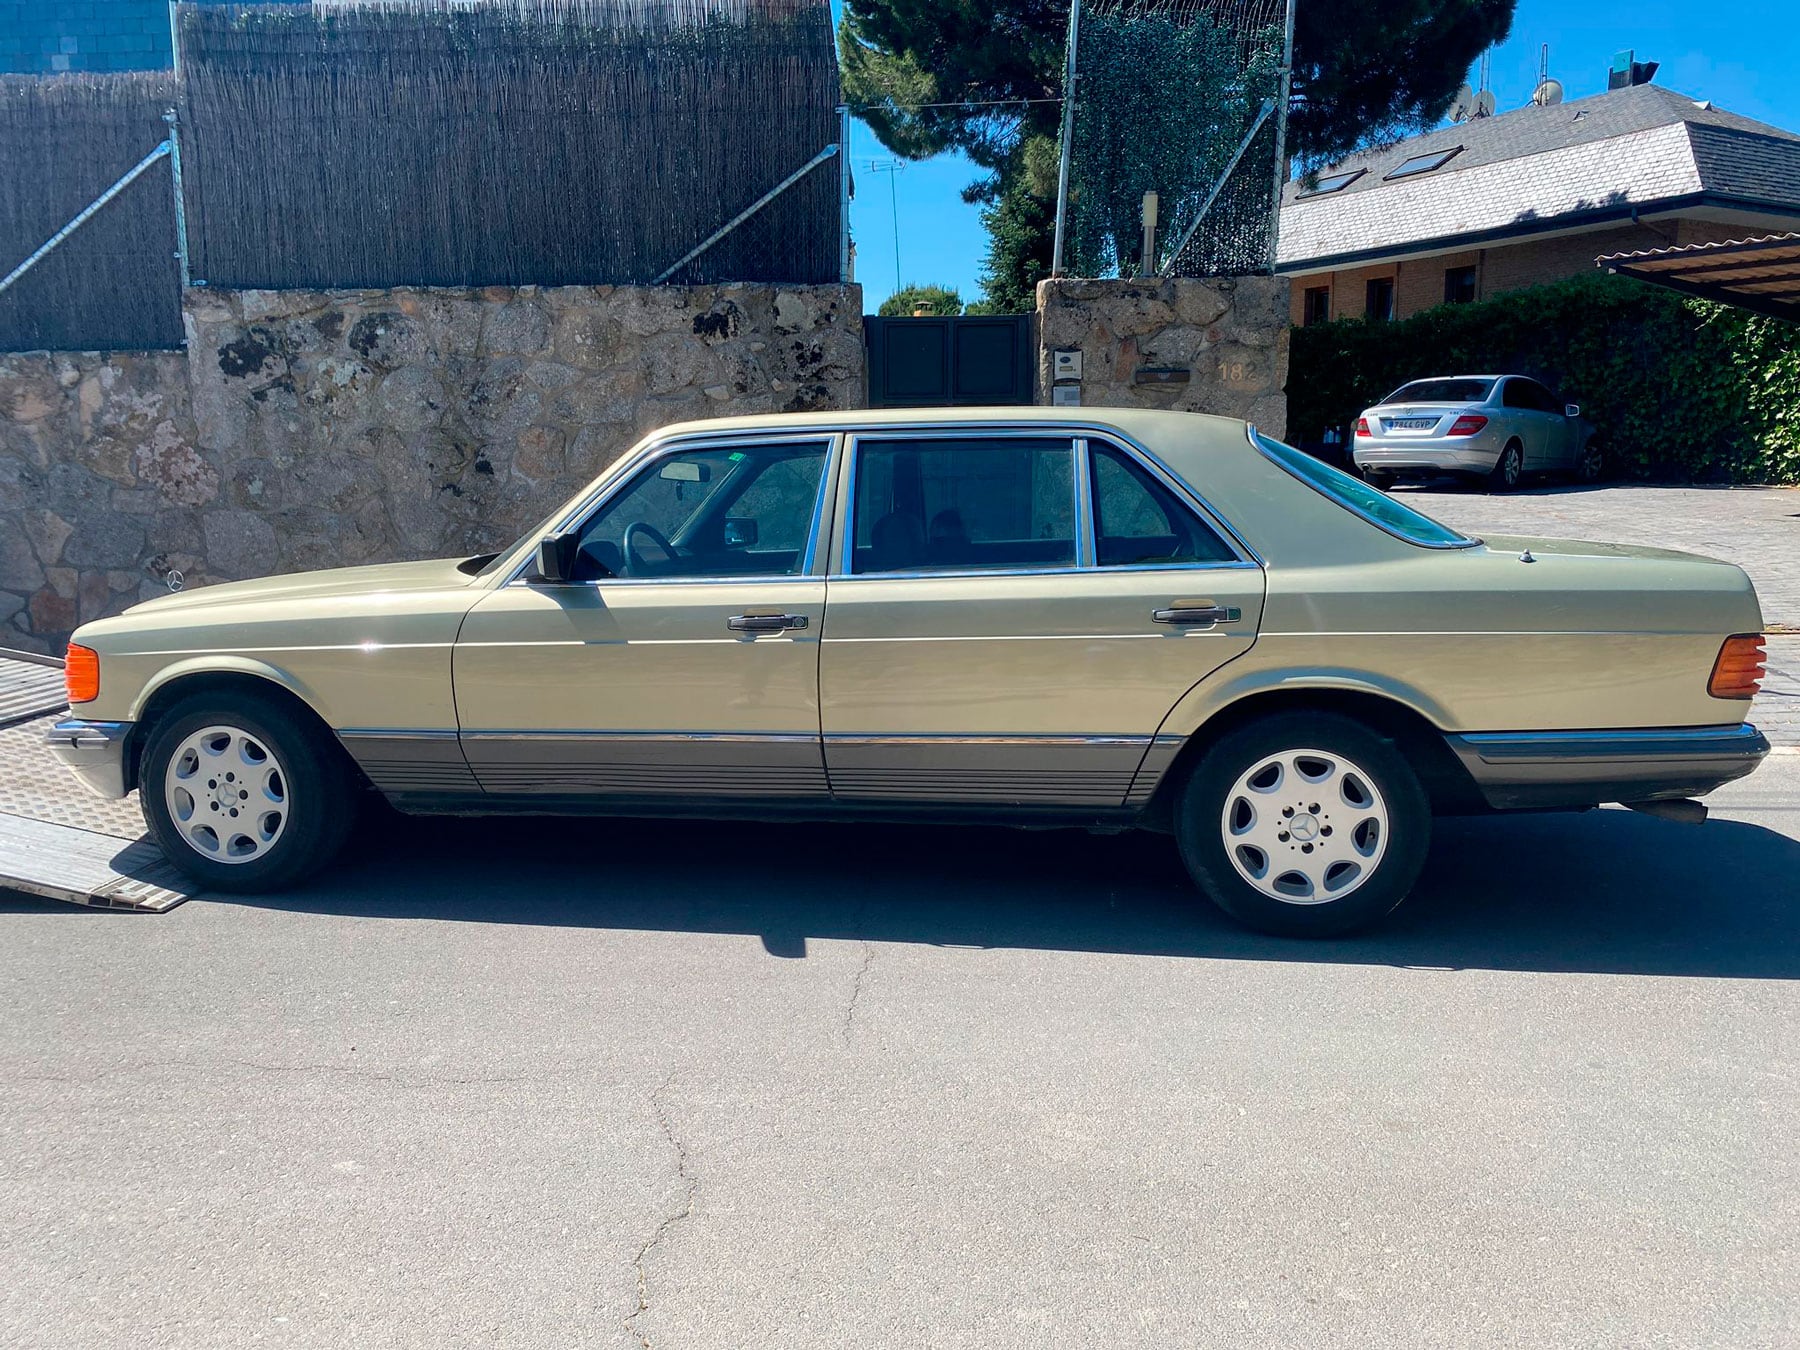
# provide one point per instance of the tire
(295, 798)
(1353, 876)
(1592, 466)
(1509, 469)
(1376, 479)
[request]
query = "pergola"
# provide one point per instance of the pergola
(1761, 275)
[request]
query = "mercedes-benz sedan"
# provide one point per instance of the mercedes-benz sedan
(1496, 428)
(1108, 618)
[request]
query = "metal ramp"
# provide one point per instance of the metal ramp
(58, 840)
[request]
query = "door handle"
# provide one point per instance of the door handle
(765, 623)
(1202, 615)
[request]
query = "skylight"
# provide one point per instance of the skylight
(1334, 182)
(1425, 163)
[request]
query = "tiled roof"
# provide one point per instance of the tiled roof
(1523, 169)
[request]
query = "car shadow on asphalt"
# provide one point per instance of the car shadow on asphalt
(1604, 892)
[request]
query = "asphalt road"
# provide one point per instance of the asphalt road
(698, 1085)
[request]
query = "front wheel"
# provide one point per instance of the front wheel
(1593, 463)
(1304, 825)
(242, 797)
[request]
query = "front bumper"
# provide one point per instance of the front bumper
(1538, 769)
(95, 752)
(1462, 455)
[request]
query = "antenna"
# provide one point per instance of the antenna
(1462, 105)
(1549, 92)
(893, 168)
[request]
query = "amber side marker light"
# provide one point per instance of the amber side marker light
(81, 674)
(1738, 673)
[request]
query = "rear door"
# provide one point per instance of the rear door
(1011, 614)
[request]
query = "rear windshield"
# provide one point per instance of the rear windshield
(1442, 391)
(1355, 495)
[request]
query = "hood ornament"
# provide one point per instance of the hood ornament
(175, 579)
(1526, 556)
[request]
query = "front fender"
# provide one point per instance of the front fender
(225, 663)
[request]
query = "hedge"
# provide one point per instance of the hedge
(1681, 389)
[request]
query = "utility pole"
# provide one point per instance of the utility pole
(893, 168)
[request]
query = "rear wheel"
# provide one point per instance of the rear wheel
(1508, 469)
(1304, 825)
(1378, 480)
(243, 797)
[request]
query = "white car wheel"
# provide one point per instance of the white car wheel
(1305, 826)
(227, 793)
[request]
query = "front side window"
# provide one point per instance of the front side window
(717, 511)
(1138, 521)
(957, 505)
(1357, 496)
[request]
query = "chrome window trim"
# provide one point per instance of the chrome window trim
(626, 469)
(1087, 549)
(1461, 542)
(1085, 434)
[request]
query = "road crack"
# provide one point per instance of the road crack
(862, 973)
(675, 1216)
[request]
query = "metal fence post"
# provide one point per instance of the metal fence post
(844, 194)
(1068, 132)
(181, 233)
(1281, 117)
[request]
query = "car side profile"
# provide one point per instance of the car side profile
(1120, 618)
(1495, 428)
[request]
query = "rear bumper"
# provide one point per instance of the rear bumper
(94, 752)
(1535, 769)
(1463, 455)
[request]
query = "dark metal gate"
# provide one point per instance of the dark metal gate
(966, 361)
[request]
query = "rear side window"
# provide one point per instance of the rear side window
(1138, 521)
(957, 505)
(1355, 495)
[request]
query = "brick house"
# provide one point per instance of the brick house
(1500, 203)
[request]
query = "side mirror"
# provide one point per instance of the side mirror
(1571, 410)
(556, 558)
(740, 532)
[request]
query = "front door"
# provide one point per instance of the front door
(682, 658)
(1012, 616)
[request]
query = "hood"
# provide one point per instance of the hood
(382, 578)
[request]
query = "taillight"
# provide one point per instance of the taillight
(1738, 673)
(1362, 427)
(81, 674)
(1467, 425)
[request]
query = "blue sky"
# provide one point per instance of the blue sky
(1743, 54)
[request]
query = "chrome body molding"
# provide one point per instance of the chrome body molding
(1521, 770)
(1025, 771)
(1159, 756)
(647, 764)
(95, 752)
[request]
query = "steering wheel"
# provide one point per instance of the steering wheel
(633, 559)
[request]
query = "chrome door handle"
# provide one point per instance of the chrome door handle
(765, 623)
(1196, 616)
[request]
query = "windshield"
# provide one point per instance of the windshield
(1357, 496)
(1442, 391)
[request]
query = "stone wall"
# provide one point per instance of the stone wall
(308, 429)
(1229, 335)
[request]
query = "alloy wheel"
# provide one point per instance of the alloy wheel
(1305, 826)
(227, 794)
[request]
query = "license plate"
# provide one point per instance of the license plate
(1412, 423)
